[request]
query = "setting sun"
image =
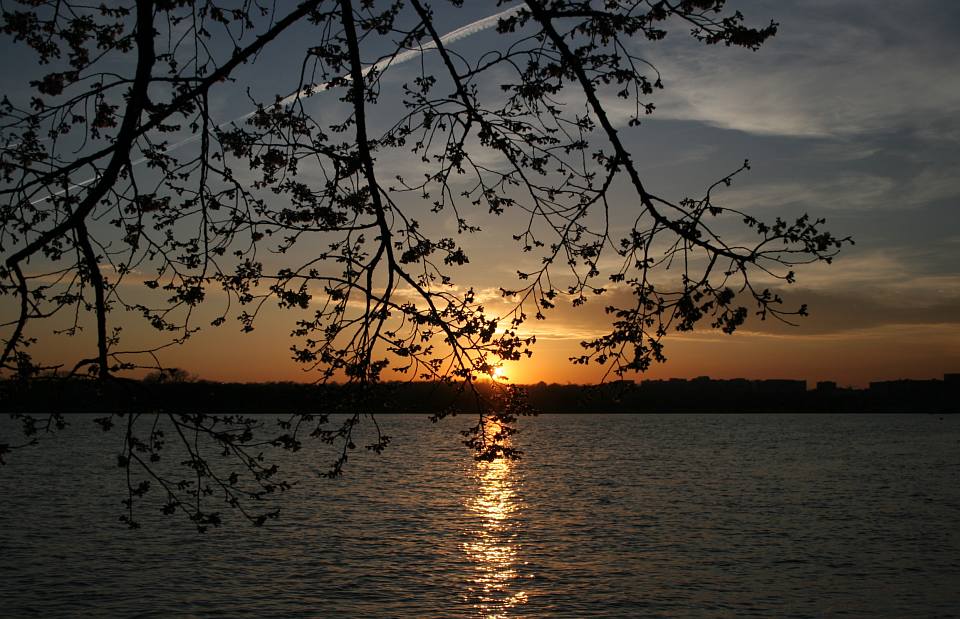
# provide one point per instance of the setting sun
(499, 374)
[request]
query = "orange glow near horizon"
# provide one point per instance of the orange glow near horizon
(851, 357)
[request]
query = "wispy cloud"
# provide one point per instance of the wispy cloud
(824, 74)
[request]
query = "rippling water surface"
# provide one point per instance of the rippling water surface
(605, 516)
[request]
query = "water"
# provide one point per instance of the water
(606, 516)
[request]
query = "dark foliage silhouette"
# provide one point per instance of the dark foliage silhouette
(106, 221)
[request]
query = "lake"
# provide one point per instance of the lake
(604, 516)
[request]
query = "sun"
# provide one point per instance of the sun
(499, 374)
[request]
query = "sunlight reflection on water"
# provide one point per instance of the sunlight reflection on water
(492, 545)
(605, 516)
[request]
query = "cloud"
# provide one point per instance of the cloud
(833, 70)
(856, 191)
(845, 190)
(858, 293)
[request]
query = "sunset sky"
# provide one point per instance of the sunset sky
(851, 112)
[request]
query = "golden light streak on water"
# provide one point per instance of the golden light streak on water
(492, 545)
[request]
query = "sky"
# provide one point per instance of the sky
(851, 112)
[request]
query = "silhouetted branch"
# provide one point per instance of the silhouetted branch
(280, 206)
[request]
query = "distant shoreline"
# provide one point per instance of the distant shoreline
(675, 395)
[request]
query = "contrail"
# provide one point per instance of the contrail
(462, 32)
(454, 35)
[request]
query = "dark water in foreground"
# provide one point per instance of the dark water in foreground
(606, 516)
